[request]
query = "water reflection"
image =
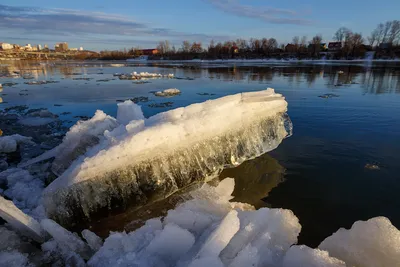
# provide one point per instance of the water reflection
(254, 179)
(373, 79)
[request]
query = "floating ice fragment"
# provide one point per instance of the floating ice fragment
(9, 143)
(168, 92)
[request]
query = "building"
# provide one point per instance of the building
(73, 49)
(149, 52)
(81, 48)
(6, 46)
(27, 47)
(39, 47)
(291, 48)
(61, 47)
(334, 46)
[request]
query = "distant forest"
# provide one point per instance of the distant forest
(384, 40)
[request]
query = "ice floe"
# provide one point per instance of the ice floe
(151, 158)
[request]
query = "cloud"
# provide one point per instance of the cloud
(267, 14)
(32, 21)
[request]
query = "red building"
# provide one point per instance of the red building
(149, 52)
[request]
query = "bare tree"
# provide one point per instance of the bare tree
(303, 42)
(316, 44)
(296, 40)
(196, 48)
(186, 46)
(340, 34)
(272, 44)
(386, 31)
(379, 29)
(394, 33)
(374, 37)
(163, 47)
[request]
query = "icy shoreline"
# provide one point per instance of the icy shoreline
(209, 230)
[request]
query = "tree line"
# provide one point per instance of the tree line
(384, 39)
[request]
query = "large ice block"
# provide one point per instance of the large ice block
(171, 150)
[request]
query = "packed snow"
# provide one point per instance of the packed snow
(154, 157)
(168, 92)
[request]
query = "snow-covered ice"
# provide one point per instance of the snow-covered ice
(168, 92)
(154, 157)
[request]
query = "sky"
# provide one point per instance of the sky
(99, 25)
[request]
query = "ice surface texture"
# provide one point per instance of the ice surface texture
(149, 159)
(209, 230)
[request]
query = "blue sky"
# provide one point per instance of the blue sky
(121, 24)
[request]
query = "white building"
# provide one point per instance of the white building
(27, 47)
(81, 48)
(39, 47)
(6, 46)
(73, 49)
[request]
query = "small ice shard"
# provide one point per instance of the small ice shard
(221, 236)
(129, 111)
(168, 92)
(25, 224)
(92, 239)
(78, 139)
(303, 256)
(66, 238)
(371, 243)
(168, 151)
(9, 143)
(171, 244)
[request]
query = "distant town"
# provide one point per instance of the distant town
(383, 43)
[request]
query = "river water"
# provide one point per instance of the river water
(319, 173)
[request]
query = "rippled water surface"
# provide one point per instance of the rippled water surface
(320, 172)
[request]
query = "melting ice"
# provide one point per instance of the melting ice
(147, 159)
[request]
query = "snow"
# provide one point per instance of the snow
(24, 189)
(129, 111)
(168, 151)
(303, 256)
(168, 92)
(25, 224)
(9, 143)
(375, 242)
